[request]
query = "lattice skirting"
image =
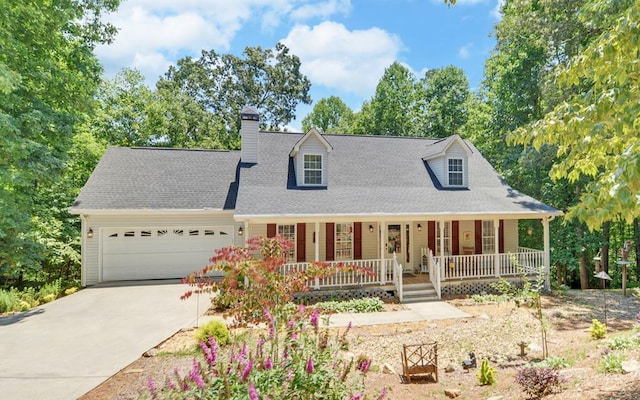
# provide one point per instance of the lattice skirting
(315, 296)
(474, 287)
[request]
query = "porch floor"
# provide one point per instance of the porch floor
(410, 278)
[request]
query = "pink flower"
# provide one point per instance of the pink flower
(383, 394)
(357, 397)
(246, 371)
(151, 386)
(253, 394)
(314, 318)
(309, 368)
(268, 364)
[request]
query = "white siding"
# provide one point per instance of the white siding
(250, 144)
(440, 165)
(91, 262)
(312, 146)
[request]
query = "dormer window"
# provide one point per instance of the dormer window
(456, 173)
(313, 169)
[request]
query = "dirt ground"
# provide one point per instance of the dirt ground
(493, 331)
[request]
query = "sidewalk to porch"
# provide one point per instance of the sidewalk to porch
(415, 312)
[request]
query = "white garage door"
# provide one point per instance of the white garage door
(159, 253)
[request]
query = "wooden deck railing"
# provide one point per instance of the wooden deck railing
(492, 265)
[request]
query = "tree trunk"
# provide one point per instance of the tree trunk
(584, 276)
(606, 236)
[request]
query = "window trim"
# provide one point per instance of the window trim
(448, 238)
(486, 248)
(450, 172)
(336, 240)
(305, 169)
(292, 256)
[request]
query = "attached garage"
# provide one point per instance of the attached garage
(159, 253)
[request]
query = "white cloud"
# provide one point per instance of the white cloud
(164, 30)
(497, 11)
(352, 61)
(464, 52)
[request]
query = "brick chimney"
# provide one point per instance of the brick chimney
(249, 126)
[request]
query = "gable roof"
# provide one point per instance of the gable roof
(373, 176)
(312, 132)
(161, 179)
(440, 147)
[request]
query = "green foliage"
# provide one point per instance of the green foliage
(490, 298)
(539, 382)
(598, 330)
(329, 115)
(215, 329)
(612, 363)
(70, 291)
(9, 300)
(366, 305)
(50, 291)
(222, 84)
(295, 361)
(487, 374)
(623, 343)
(554, 363)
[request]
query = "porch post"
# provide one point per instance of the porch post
(547, 258)
(316, 249)
(496, 245)
(383, 266)
(442, 260)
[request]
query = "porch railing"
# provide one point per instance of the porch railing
(434, 274)
(382, 272)
(491, 265)
(397, 277)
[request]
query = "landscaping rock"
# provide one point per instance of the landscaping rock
(450, 368)
(452, 393)
(388, 369)
(629, 366)
(151, 353)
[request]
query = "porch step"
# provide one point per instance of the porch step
(415, 293)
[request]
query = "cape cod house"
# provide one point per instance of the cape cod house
(429, 207)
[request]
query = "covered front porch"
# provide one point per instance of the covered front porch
(398, 254)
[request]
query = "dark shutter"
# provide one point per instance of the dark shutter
(301, 243)
(431, 236)
(455, 238)
(330, 256)
(478, 236)
(271, 230)
(357, 240)
(501, 237)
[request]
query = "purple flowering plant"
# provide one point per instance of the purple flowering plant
(301, 361)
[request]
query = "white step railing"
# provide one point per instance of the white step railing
(434, 274)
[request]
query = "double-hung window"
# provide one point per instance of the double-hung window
(455, 172)
(488, 238)
(313, 169)
(447, 238)
(344, 241)
(288, 232)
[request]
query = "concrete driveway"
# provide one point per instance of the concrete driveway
(63, 349)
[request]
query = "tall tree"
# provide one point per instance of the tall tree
(330, 115)
(48, 77)
(596, 130)
(443, 94)
(392, 109)
(268, 79)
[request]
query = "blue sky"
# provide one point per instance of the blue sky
(344, 45)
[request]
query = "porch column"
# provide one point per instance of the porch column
(316, 249)
(316, 244)
(383, 263)
(246, 233)
(547, 258)
(496, 245)
(442, 258)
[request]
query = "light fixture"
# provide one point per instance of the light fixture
(371, 228)
(90, 233)
(240, 231)
(419, 228)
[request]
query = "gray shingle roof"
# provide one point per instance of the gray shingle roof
(161, 179)
(368, 175)
(372, 175)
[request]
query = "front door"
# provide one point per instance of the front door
(398, 243)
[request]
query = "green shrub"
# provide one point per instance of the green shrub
(487, 374)
(70, 291)
(623, 343)
(539, 382)
(554, 362)
(366, 305)
(216, 329)
(598, 329)
(50, 291)
(612, 363)
(8, 301)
